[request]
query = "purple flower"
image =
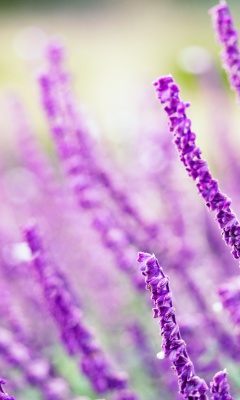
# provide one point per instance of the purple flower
(174, 347)
(31, 153)
(78, 127)
(65, 310)
(78, 163)
(197, 168)
(228, 37)
(4, 395)
(220, 387)
(37, 370)
(230, 295)
(125, 395)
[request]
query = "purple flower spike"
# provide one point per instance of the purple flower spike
(228, 37)
(75, 334)
(125, 395)
(220, 387)
(55, 52)
(4, 395)
(230, 295)
(174, 347)
(197, 168)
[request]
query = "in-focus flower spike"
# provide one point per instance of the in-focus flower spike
(76, 336)
(227, 36)
(190, 385)
(219, 387)
(197, 168)
(4, 395)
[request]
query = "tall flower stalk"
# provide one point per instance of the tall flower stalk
(3, 394)
(76, 336)
(77, 159)
(197, 168)
(77, 126)
(188, 250)
(219, 387)
(227, 36)
(36, 370)
(229, 294)
(190, 385)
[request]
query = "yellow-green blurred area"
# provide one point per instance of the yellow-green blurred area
(115, 50)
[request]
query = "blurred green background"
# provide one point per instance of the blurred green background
(115, 50)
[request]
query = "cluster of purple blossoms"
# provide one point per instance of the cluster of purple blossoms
(76, 336)
(4, 395)
(227, 36)
(96, 225)
(174, 347)
(229, 294)
(219, 387)
(197, 168)
(191, 386)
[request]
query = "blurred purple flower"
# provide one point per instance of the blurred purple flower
(227, 36)
(76, 336)
(230, 298)
(4, 395)
(78, 163)
(37, 370)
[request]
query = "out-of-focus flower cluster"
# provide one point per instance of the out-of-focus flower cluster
(75, 312)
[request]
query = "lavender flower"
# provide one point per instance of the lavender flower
(37, 371)
(4, 395)
(230, 295)
(86, 164)
(155, 367)
(81, 180)
(220, 387)
(228, 37)
(125, 395)
(197, 168)
(174, 347)
(77, 125)
(31, 153)
(76, 336)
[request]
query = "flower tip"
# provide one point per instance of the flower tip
(30, 232)
(55, 51)
(143, 257)
(163, 80)
(29, 227)
(218, 8)
(43, 80)
(220, 375)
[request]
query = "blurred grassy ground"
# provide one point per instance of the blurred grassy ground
(116, 49)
